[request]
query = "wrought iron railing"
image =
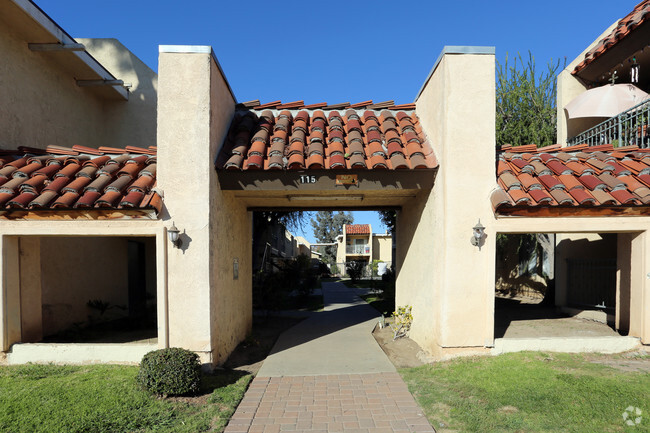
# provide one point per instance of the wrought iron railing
(357, 249)
(628, 128)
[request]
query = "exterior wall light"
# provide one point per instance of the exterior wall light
(174, 237)
(478, 231)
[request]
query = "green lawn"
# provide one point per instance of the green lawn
(385, 305)
(530, 392)
(105, 398)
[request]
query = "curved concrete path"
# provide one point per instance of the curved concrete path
(328, 374)
(337, 340)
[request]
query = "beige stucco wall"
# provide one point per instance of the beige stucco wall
(381, 248)
(569, 87)
(132, 122)
(41, 103)
(210, 308)
(448, 281)
(340, 249)
(77, 270)
(31, 310)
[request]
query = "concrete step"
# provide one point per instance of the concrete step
(605, 344)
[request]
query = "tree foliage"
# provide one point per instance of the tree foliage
(388, 218)
(293, 221)
(327, 226)
(526, 102)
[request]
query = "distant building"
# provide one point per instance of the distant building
(358, 243)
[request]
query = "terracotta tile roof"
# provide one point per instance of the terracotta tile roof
(78, 178)
(626, 25)
(357, 229)
(576, 176)
(318, 139)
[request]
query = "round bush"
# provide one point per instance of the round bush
(172, 371)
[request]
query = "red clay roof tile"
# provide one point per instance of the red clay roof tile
(337, 138)
(625, 26)
(57, 184)
(617, 180)
(357, 229)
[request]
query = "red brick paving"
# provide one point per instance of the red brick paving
(360, 403)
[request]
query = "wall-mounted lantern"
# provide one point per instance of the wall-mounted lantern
(174, 236)
(478, 231)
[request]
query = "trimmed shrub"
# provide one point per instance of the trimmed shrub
(172, 371)
(355, 269)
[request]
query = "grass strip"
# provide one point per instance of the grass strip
(531, 392)
(106, 398)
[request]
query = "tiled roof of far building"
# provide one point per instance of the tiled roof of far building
(77, 178)
(572, 177)
(357, 229)
(626, 25)
(293, 136)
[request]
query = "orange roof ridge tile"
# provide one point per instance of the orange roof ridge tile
(337, 106)
(379, 105)
(523, 148)
(250, 104)
(106, 149)
(135, 149)
(318, 105)
(550, 148)
(294, 104)
(34, 150)
(410, 106)
(269, 105)
(361, 104)
(88, 150)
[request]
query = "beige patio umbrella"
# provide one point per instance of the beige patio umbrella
(605, 101)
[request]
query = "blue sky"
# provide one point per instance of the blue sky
(339, 51)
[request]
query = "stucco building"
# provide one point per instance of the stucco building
(113, 126)
(359, 243)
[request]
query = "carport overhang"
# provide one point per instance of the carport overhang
(301, 189)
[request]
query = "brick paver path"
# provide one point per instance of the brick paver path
(368, 403)
(328, 374)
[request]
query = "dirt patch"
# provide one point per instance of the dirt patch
(403, 352)
(637, 361)
(507, 409)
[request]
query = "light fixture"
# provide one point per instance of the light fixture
(478, 231)
(325, 198)
(174, 237)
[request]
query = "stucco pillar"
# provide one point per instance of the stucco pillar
(455, 280)
(623, 280)
(210, 276)
(31, 303)
(640, 288)
(184, 169)
(10, 331)
(568, 87)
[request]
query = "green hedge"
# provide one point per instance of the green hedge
(172, 371)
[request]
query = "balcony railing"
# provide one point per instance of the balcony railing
(357, 249)
(628, 128)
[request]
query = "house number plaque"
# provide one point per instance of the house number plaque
(307, 179)
(346, 179)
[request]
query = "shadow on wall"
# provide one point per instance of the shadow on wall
(131, 123)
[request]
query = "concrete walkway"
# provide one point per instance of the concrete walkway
(328, 374)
